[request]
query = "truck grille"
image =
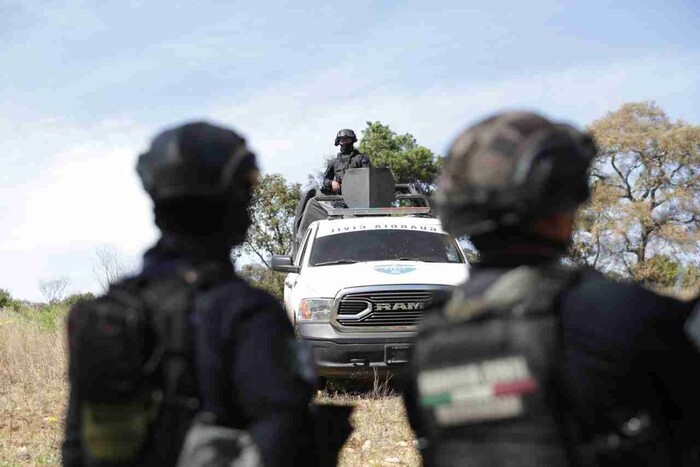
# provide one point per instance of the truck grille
(383, 308)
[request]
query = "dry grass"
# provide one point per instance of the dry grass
(32, 391)
(382, 435)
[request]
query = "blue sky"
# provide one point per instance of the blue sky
(84, 85)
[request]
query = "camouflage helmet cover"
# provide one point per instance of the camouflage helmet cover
(511, 168)
(197, 159)
(346, 132)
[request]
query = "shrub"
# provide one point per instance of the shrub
(6, 300)
(78, 297)
(49, 317)
(657, 271)
(265, 278)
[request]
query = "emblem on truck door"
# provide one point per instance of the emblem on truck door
(399, 306)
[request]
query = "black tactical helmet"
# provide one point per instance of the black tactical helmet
(345, 133)
(195, 160)
(510, 169)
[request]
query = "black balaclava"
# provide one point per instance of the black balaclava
(346, 148)
(510, 245)
(217, 223)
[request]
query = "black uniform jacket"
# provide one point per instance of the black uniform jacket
(243, 333)
(337, 168)
(624, 348)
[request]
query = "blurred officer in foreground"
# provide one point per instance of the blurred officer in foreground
(533, 363)
(692, 326)
(347, 158)
(187, 340)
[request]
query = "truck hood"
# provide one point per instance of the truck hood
(326, 281)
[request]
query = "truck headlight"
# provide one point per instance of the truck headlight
(315, 309)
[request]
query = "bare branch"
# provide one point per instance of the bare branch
(624, 178)
(693, 219)
(108, 266)
(257, 253)
(628, 266)
(597, 250)
(54, 290)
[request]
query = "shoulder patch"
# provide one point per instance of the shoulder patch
(478, 391)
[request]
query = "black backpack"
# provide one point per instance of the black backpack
(489, 383)
(485, 368)
(131, 371)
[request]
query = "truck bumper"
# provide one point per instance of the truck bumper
(356, 354)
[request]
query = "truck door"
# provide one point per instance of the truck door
(292, 278)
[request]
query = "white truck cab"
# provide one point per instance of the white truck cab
(358, 285)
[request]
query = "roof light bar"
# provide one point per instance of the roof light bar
(400, 211)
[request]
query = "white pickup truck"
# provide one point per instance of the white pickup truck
(359, 284)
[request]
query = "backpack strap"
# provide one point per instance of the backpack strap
(525, 290)
(170, 302)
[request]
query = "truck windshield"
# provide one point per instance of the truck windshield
(382, 245)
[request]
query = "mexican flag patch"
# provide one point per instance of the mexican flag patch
(477, 392)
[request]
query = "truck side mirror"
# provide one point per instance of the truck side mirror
(283, 263)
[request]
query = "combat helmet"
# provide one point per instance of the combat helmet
(346, 132)
(510, 169)
(197, 160)
(201, 179)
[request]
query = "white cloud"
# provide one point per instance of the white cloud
(68, 191)
(293, 124)
(86, 192)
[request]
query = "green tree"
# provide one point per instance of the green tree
(644, 211)
(409, 162)
(6, 300)
(265, 278)
(272, 213)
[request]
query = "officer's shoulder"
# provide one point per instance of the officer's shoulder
(591, 279)
(250, 293)
(595, 289)
(236, 296)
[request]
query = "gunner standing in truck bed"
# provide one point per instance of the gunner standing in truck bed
(347, 158)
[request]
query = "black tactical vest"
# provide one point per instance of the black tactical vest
(343, 162)
(486, 373)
